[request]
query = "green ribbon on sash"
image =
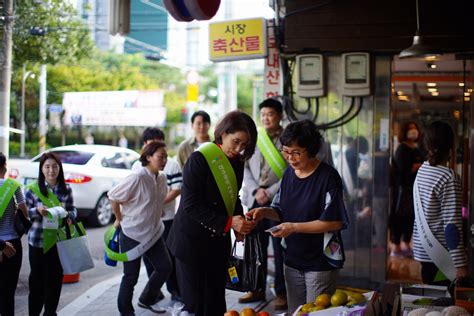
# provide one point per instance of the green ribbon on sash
(7, 190)
(223, 173)
(271, 153)
(49, 235)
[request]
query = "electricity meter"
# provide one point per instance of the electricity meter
(310, 75)
(356, 74)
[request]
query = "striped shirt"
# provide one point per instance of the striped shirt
(440, 194)
(35, 234)
(7, 230)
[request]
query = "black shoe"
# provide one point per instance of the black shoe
(158, 298)
(158, 310)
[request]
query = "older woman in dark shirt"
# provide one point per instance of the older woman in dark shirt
(309, 204)
(200, 235)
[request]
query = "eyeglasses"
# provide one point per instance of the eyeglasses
(293, 154)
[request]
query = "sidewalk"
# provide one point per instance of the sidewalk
(101, 299)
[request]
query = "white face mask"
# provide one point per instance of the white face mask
(412, 134)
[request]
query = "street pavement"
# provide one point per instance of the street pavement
(96, 292)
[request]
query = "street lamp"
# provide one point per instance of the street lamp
(25, 76)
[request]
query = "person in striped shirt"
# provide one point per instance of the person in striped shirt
(438, 195)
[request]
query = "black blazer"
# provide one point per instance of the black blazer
(197, 232)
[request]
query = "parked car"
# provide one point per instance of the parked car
(90, 170)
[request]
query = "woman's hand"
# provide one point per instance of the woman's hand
(257, 214)
(117, 223)
(241, 225)
(43, 211)
(9, 250)
(462, 272)
(285, 230)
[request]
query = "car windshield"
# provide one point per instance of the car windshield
(72, 157)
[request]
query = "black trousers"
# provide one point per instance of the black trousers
(172, 282)
(202, 285)
(45, 281)
(9, 272)
(158, 256)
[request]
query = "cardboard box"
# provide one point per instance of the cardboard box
(412, 297)
(370, 308)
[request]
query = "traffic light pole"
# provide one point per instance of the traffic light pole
(5, 76)
(42, 109)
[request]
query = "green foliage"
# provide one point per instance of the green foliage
(67, 39)
(245, 93)
(174, 104)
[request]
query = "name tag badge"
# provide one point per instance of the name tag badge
(50, 223)
(233, 275)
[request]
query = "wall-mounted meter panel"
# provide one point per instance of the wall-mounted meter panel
(355, 74)
(310, 75)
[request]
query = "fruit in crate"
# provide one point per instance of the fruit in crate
(356, 298)
(306, 307)
(231, 313)
(339, 298)
(248, 312)
(263, 313)
(323, 300)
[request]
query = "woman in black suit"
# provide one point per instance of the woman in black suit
(200, 235)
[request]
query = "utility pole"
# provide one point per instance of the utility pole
(42, 109)
(5, 77)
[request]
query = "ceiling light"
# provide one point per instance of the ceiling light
(469, 90)
(431, 65)
(467, 99)
(431, 84)
(461, 84)
(419, 49)
(435, 93)
(432, 90)
(399, 92)
(466, 94)
(403, 98)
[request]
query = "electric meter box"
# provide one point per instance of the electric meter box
(355, 74)
(310, 75)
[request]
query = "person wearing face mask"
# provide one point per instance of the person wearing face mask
(408, 158)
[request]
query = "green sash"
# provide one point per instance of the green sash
(223, 173)
(271, 153)
(49, 235)
(7, 190)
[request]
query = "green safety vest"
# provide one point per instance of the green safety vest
(7, 190)
(271, 153)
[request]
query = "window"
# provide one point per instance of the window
(72, 157)
(115, 160)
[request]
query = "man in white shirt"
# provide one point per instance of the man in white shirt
(174, 178)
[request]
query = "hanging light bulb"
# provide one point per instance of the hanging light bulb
(419, 49)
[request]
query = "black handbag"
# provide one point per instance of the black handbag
(246, 274)
(21, 223)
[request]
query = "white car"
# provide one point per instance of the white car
(90, 170)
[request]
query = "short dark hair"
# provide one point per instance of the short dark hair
(305, 134)
(205, 117)
(404, 130)
(3, 162)
(152, 133)
(237, 121)
(439, 141)
(149, 150)
(61, 183)
(271, 103)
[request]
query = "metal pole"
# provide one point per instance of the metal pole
(42, 108)
(5, 77)
(22, 114)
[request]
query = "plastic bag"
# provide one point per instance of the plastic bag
(74, 251)
(246, 274)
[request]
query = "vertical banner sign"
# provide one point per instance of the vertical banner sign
(271, 79)
(238, 40)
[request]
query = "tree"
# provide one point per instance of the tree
(49, 32)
